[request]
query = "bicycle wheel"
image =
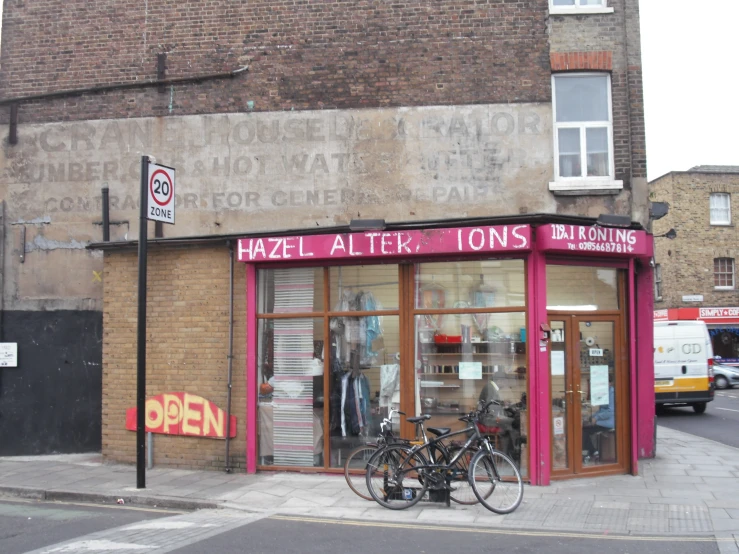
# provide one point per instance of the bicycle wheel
(355, 462)
(462, 492)
(391, 480)
(496, 481)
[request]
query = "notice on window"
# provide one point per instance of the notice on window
(470, 370)
(598, 385)
(558, 362)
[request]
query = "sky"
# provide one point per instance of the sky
(690, 63)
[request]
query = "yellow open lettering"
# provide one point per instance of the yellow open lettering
(192, 413)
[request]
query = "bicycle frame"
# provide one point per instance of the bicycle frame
(436, 442)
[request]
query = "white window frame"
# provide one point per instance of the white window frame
(726, 272)
(579, 9)
(657, 282)
(714, 220)
(607, 182)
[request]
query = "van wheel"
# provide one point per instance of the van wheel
(661, 410)
(699, 407)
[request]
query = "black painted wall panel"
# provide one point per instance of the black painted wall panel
(51, 403)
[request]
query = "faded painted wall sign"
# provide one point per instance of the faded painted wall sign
(182, 413)
(314, 166)
(388, 244)
(607, 241)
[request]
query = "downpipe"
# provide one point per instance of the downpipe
(230, 352)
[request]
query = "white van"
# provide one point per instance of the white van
(683, 364)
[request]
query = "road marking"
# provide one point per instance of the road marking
(98, 546)
(505, 531)
(727, 409)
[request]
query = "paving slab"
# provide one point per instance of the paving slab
(678, 492)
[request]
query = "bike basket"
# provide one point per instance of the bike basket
(487, 429)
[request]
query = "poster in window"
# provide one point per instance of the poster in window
(598, 385)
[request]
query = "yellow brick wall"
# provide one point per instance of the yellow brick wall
(187, 348)
(687, 261)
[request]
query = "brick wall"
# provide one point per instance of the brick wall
(304, 55)
(687, 261)
(187, 348)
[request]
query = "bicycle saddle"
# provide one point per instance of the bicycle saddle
(438, 431)
(418, 419)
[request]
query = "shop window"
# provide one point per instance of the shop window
(290, 291)
(578, 6)
(479, 283)
(723, 273)
(657, 282)
(581, 288)
(583, 141)
(470, 337)
(720, 208)
(291, 397)
(355, 342)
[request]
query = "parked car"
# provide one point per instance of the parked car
(725, 376)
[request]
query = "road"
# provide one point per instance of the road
(28, 525)
(720, 422)
(73, 529)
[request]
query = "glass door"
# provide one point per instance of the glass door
(589, 412)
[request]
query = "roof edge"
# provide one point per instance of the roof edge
(536, 219)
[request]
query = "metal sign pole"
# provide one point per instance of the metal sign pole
(141, 335)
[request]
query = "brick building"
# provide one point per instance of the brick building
(471, 179)
(695, 273)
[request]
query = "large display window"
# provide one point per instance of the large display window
(331, 349)
(470, 343)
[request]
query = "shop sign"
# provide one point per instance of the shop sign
(387, 244)
(182, 413)
(603, 241)
(717, 313)
(661, 315)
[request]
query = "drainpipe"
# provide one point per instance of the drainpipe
(230, 350)
(106, 215)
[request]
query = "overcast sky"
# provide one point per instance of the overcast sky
(690, 56)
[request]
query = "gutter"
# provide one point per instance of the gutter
(201, 240)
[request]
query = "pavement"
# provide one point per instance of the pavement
(691, 488)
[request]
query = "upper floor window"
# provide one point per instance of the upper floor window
(720, 208)
(723, 273)
(583, 140)
(579, 6)
(658, 282)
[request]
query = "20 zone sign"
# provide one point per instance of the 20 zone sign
(161, 193)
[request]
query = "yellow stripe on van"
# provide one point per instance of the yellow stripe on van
(681, 384)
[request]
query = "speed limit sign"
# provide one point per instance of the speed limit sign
(161, 193)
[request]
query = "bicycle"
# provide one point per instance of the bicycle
(398, 476)
(360, 456)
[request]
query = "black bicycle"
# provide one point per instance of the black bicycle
(398, 476)
(461, 492)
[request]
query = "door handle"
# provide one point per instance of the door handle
(567, 391)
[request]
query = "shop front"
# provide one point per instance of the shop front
(342, 328)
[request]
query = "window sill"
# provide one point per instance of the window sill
(579, 10)
(720, 224)
(586, 186)
(723, 288)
